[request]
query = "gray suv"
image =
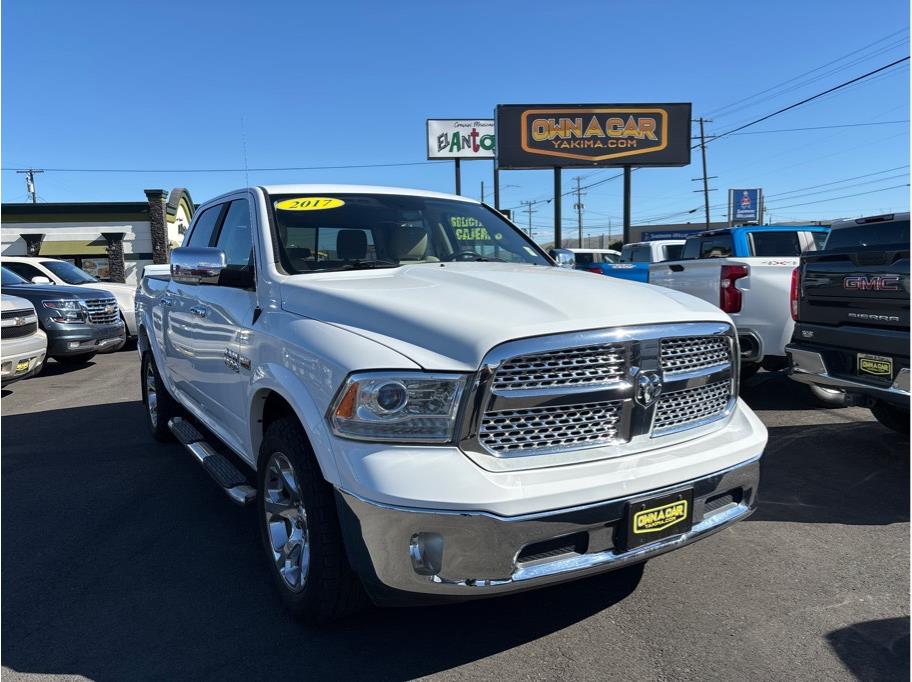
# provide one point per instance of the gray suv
(79, 322)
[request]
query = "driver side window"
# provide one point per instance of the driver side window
(235, 236)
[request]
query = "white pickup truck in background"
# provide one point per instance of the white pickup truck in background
(747, 272)
(424, 408)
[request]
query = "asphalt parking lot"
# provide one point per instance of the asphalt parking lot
(121, 560)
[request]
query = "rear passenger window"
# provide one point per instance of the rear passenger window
(776, 244)
(691, 249)
(201, 235)
(716, 247)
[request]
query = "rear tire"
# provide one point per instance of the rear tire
(300, 530)
(160, 406)
(80, 359)
(891, 416)
(828, 397)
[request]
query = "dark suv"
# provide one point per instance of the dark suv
(850, 301)
(78, 321)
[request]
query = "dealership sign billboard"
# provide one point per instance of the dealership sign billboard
(562, 135)
(451, 138)
(745, 205)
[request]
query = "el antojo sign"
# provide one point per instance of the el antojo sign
(538, 136)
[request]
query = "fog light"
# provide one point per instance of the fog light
(74, 344)
(426, 552)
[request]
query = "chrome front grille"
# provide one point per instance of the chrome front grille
(546, 429)
(689, 353)
(681, 408)
(598, 393)
(102, 310)
(566, 367)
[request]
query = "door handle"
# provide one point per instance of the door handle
(198, 310)
(165, 301)
(676, 268)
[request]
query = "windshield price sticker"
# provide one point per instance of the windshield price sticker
(309, 204)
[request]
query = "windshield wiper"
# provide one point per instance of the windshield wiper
(369, 264)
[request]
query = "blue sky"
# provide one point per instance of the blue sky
(118, 85)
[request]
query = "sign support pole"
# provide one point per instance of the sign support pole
(557, 208)
(626, 237)
(458, 177)
(496, 186)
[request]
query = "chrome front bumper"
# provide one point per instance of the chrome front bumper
(809, 367)
(406, 556)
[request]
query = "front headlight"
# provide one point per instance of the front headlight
(398, 406)
(66, 310)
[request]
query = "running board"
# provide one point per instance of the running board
(223, 472)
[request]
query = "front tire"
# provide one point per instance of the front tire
(299, 529)
(160, 405)
(891, 416)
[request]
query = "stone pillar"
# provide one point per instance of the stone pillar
(116, 266)
(32, 243)
(158, 225)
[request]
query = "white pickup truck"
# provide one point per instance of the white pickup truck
(747, 272)
(430, 408)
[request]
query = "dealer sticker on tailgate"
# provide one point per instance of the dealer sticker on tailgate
(875, 365)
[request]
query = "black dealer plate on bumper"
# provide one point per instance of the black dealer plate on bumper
(657, 518)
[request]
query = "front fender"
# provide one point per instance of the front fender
(274, 378)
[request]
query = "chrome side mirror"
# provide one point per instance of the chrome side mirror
(197, 265)
(564, 258)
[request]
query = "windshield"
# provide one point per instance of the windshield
(10, 278)
(68, 272)
(352, 231)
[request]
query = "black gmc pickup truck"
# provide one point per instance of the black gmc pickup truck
(850, 302)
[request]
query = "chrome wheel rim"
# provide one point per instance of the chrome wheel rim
(151, 394)
(286, 522)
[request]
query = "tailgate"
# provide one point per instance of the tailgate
(869, 288)
(697, 277)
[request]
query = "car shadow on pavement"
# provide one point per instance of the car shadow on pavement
(775, 391)
(874, 650)
(849, 473)
(122, 560)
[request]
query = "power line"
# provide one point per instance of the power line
(794, 130)
(844, 196)
(808, 99)
(718, 111)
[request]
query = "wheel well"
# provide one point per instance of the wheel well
(268, 406)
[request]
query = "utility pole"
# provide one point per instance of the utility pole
(30, 182)
(529, 211)
(579, 210)
(706, 190)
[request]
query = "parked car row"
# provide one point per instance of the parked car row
(45, 316)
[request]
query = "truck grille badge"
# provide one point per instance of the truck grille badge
(648, 388)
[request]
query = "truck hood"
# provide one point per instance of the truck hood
(448, 316)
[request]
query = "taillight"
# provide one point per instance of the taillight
(594, 268)
(729, 294)
(793, 294)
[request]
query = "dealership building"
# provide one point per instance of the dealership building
(111, 240)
